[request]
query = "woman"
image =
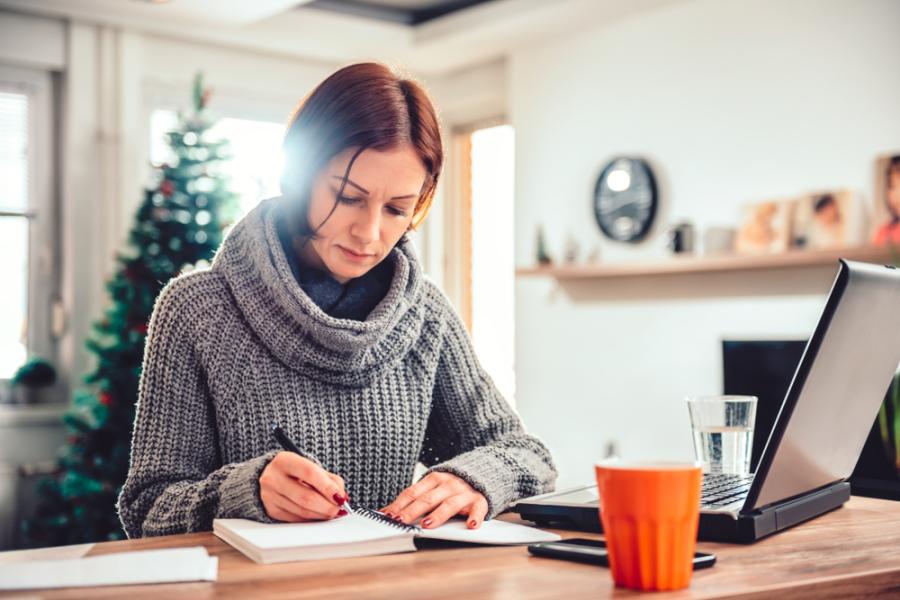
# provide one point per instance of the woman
(316, 314)
(889, 232)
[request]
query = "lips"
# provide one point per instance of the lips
(355, 255)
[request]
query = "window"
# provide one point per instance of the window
(493, 261)
(25, 218)
(255, 168)
(480, 249)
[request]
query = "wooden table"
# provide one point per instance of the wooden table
(853, 551)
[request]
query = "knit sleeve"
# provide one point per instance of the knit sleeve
(473, 432)
(176, 481)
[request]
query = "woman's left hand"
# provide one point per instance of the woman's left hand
(439, 496)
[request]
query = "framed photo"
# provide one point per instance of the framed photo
(765, 227)
(887, 201)
(828, 219)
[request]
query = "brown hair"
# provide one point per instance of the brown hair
(365, 105)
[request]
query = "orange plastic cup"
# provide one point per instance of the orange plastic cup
(650, 513)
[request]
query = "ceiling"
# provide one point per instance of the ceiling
(425, 36)
(408, 12)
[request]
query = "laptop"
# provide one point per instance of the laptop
(825, 418)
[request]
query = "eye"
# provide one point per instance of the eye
(347, 200)
(396, 211)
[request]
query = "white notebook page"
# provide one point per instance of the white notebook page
(356, 528)
(490, 532)
(343, 530)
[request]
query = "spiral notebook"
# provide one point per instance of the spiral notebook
(364, 532)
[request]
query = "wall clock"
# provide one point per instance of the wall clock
(625, 199)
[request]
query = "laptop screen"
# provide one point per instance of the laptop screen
(764, 368)
(839, 385)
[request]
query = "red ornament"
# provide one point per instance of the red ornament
(141, 328)
(167, 187)
(72, 440)
(105, 399)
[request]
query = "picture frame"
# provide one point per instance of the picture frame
(765, 227)
(828, 219)
(886, 214)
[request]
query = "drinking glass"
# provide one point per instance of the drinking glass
(723, 432)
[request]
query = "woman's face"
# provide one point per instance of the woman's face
(893, 192)
(374, 211)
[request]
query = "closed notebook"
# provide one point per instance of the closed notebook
(363, 532)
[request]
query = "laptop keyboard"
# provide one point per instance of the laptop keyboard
(720, 489)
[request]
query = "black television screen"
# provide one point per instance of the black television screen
(764, 368)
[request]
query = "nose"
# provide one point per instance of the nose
(367, 226)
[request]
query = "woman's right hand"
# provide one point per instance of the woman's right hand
(293, 488)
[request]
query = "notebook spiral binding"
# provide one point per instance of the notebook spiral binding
(383, 518)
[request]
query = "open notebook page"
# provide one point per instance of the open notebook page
(354, 528)
(343, 530)
(490, 532)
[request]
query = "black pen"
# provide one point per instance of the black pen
(285, 442)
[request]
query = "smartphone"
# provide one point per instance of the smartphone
(594, 552)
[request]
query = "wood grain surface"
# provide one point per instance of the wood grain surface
(851, 552)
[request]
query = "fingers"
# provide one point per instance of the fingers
(477, 513)
(307, 499)
(339, 481)
(409, 495)
(291, 489)
(424, 503)
(281, 509)
(448, 508)
(309, 472)
(300, 512)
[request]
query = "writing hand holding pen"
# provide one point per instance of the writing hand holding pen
(293, 488)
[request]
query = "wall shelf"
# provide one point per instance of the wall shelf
(691, 264)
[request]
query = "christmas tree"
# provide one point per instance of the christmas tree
(178, 227)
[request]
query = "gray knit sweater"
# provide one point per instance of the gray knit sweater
(237, 346)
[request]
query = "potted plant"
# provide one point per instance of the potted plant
(33, 382)
(889, 415)
(889, 423)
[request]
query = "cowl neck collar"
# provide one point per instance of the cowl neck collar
(301, 335)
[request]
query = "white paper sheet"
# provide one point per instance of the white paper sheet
(51, 553)
(122, 568)
(490, 532)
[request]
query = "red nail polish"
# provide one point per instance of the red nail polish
(389, 515)
(397, 518)
(342, 512)
(427, 522)
(337, 498)
(472, 524)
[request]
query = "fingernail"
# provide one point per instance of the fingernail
(472, 524)
(342, 512)
(427, 522)
(389, 515)
(337, 498)
(397, 518)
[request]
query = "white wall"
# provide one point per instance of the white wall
(731, 102)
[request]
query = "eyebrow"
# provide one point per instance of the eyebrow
(365, 191)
